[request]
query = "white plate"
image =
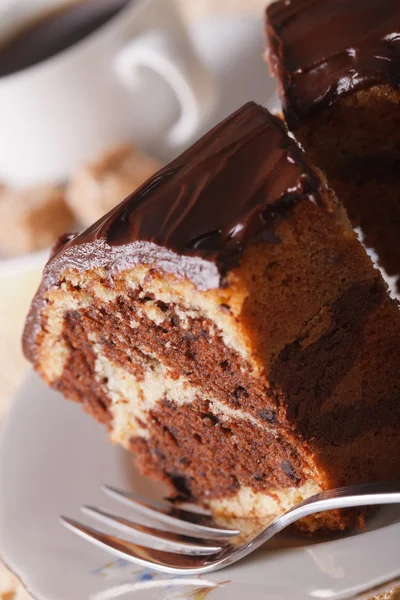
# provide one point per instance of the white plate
(53, 458)
(19, 265)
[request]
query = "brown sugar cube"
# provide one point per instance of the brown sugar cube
(338, 67)
(32, 218)
(106, 180)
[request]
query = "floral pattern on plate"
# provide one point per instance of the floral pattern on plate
(172, 587)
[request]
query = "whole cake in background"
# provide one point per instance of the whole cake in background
(227, 326)
(338, 66)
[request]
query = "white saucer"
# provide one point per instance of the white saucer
(18, 265)
(53, 458)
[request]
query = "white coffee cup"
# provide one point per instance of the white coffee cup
(137, 77)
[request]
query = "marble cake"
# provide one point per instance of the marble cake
(226, 325)
(338, 66)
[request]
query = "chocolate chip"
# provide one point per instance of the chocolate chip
(181, 484)
(268, 415)
(241, 392)
(289, 470)
(170, 405)
(162, 306)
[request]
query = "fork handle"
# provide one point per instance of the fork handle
(368, 494)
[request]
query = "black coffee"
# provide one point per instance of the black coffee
(55, 32)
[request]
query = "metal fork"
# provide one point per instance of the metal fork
(206, 546)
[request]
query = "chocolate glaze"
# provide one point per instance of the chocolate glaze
(195, 217)
(322, 50)
(225, 191)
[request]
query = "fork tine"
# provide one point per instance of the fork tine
(175, 542)
(168, 562)
(172, 516)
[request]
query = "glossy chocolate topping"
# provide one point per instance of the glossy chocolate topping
(195, 217)
(324, 49)
(224, 192)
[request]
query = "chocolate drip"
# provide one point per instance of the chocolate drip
(224, 192)
(322, 50)
(61, 242)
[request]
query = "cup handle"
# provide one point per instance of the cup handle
(173, 60)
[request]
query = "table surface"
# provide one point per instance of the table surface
(16, 293)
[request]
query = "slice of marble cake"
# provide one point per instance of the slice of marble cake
(338, 68)
(226, 325)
